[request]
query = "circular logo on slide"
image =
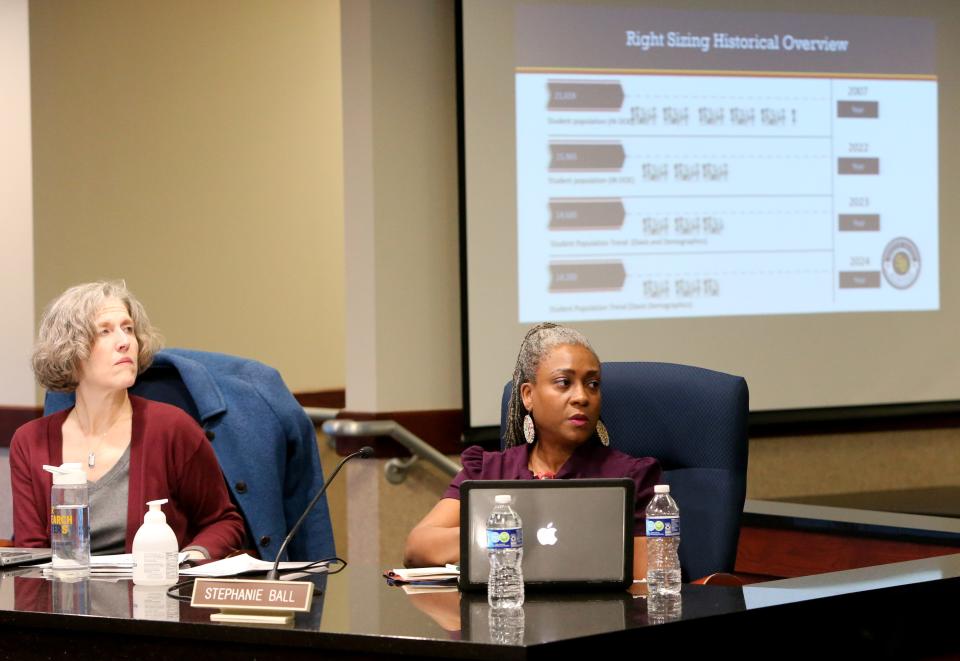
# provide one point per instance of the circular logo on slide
(901, 263)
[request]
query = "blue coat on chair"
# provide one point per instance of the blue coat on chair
(266, 444)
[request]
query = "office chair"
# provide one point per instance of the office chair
(265, 443)
(694, 421)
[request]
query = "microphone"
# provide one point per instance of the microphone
(366, 452)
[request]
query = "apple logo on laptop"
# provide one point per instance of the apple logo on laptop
(547, 536)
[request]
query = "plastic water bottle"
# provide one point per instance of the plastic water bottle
(69, 519)
(505, 550)
(663, 539)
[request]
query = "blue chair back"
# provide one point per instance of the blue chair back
(694, 421)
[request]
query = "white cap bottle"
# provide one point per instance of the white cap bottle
(69, 519)
(155, 549)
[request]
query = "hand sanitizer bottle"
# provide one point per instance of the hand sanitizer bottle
(155, 549)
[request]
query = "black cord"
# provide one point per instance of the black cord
(365, 451)
(305, 569)
(174, 590)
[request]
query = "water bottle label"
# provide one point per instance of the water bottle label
(65, 523)
(504, 538)
(663, 526)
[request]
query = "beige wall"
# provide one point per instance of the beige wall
(16, 220)
(194, 149)
(853, 462)
(400, 160)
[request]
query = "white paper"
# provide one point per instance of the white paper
(242, 564)
(120, 564)
(450, 571)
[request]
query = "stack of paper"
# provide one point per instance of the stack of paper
(424, 578)
(107, 565)
(244, 564)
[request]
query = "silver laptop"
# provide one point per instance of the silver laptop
(14, 556)
(576, 533)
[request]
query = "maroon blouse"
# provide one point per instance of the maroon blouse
(590, 460)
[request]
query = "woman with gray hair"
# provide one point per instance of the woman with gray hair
(553, 431)
(94, 340)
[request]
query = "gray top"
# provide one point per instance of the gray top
(108, 508)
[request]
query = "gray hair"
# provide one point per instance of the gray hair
(538, 342)
(67, 333)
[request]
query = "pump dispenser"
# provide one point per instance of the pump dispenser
(155, 549)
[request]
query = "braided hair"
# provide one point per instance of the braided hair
(538, 342)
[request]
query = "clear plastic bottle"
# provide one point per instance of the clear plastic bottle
(69, 519)
(663, 540)
(505, 550)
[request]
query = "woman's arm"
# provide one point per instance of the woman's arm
(203, 497)
(31, 519)
(435, 541)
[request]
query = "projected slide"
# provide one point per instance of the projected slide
(684, 164)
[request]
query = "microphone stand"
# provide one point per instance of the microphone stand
(365, 452)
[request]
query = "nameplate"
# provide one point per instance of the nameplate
(234, 595)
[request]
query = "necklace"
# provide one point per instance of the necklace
(92, 452)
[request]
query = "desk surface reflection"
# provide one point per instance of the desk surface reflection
(357, 614)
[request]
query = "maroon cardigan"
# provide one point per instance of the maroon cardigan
(170, 457)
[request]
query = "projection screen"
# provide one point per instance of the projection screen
(732, 185)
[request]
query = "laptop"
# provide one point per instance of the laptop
(12, 556)
(576, 533)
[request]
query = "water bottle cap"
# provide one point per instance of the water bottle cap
(69, 473)
(661, 488)
(503, 499)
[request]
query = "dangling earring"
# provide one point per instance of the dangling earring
(603, 433)
(529, 431)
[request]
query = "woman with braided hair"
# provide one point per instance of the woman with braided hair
(553, 431)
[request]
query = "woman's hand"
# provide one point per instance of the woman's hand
(435, 541)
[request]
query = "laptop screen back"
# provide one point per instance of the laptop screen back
(575, 532)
